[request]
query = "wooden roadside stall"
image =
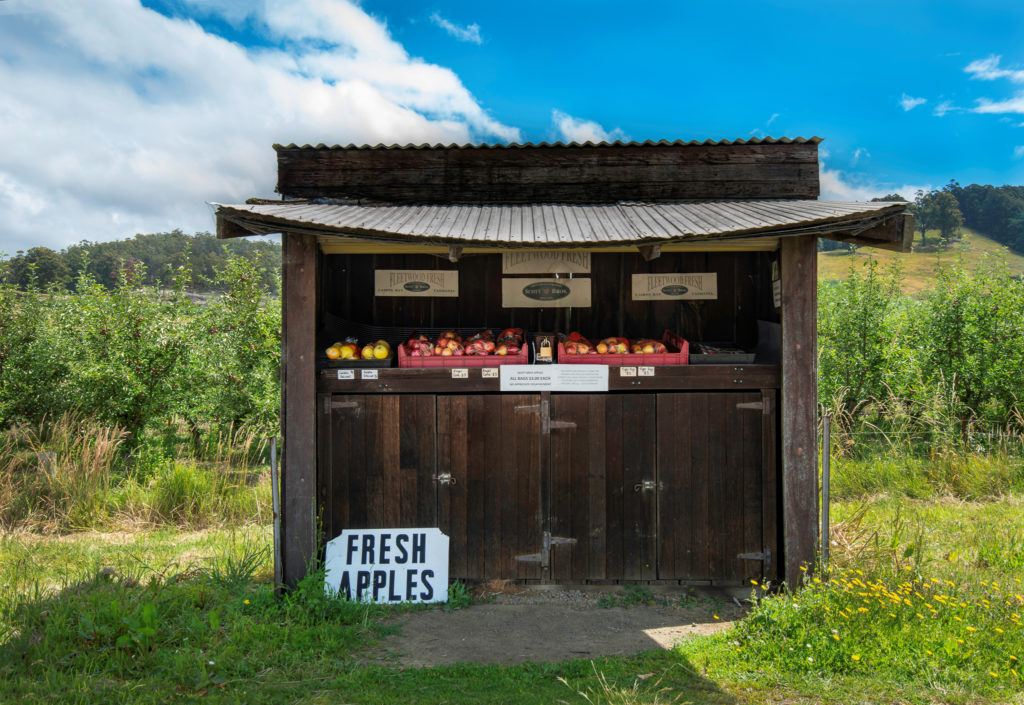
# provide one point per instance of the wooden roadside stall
(635, 469)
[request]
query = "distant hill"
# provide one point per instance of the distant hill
(919, 266)
(159, 253)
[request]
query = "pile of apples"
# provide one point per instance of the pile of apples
(450, 343)
(576, 344)
(351, 350)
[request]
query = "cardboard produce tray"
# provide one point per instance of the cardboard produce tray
(679, 354)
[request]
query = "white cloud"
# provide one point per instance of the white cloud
(570, 129)
(988, 70)
(1018, 152)
(944, 107)
(860, 152)
(469, 33)
(1010, 105)
(771, 119)
(117, 120)
(836, 185)
(909, 102)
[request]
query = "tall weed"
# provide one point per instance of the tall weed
(57, 474)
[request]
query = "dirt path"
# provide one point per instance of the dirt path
(553, 625)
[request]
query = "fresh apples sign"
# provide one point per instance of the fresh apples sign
(388, 566)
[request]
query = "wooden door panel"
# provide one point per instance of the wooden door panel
(379, 453)
(491, 506)
(598, 471)
(712, 495)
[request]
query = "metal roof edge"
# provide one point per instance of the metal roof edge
(556, 145)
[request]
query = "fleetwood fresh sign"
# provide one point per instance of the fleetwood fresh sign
(388, 565)
(648, 287)
(545, 263)
(545, 293)
(416, 282)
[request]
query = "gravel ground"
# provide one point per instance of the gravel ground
(509, 624)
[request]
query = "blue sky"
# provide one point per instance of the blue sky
(121, 116)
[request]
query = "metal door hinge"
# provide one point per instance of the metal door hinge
(766, 409)
(445, 478)
(764, 556)
(648, 485)
(330, 405)
(528, 409)
(544, 557)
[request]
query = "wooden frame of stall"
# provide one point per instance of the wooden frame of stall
(697, 474)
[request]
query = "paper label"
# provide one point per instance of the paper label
(554, 378)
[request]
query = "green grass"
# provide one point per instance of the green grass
(71, 473)
(919, 266)
(172, 616)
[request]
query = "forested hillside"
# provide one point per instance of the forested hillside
(997, 211)
(150, 259)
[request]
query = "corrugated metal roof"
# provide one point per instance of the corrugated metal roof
(558, 224)
(532, 145)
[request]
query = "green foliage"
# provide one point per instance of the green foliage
(629, 596)
(937, 210)
(944, 366)
(995, 210)
(69, 473)
(972, 329)
(153, 259)
(459, 597)
(139, 357)
(860, 321)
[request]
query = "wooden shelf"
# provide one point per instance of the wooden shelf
(440, 380)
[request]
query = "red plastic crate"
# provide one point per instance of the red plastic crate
(673, 342)
(407, 360)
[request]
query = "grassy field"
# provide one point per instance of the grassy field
(919, 266)
(923, 605)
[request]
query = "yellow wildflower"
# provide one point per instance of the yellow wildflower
(855, 657)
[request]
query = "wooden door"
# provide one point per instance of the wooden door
(489, 488)
(716, 490)
(602, 454)
(377, 461)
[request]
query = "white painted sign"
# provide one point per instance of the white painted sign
(554, 378)
(388, 565)
(545, 293)
(545, 263)
(416, 282)
(674, 287)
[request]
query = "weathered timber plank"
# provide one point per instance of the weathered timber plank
(453, 437)
(325, 504)
(668, 377)
(298, 398)
(639, 465)
(770, 471)
(614, 488)
(477, 468)
(545, 174)
(799, 399)
(751, 488)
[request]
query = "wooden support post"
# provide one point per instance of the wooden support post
(298, 405)
(799, 263)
